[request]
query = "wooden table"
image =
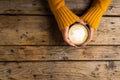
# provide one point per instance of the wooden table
(32, 48)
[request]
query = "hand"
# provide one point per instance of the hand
(91, 37)
(65, 35)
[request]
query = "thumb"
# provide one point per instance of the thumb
(82, 21)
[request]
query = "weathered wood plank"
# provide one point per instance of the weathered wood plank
(95, 70)
(31, 6)
(42, 30)
(43, 53)
(41, 7)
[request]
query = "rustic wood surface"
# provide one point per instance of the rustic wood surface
(42, 30)
(69, 70)
(41, 7)
(32, 48)
(48, 53)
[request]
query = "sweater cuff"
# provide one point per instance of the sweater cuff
(65, 17)
(93, 17)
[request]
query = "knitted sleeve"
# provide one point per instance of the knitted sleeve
(64, 16)
(95, 12)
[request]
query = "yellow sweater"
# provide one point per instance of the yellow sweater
(65, 17)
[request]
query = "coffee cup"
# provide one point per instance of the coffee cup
(79, 33)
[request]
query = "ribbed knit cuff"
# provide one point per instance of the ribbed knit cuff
(93, 17)
(65, 17)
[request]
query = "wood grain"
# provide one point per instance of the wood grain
(43, 30)
(96, 70)
(41, 7)
(31, 45)
(45, 53)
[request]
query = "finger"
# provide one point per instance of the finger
(81, 45)
(91, 37)
(82, 21)
(69, 43)
(85, 44)
(67, 40)
(88, 42)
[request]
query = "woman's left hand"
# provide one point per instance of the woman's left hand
(91, 37)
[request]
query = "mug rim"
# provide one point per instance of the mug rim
(88, 30)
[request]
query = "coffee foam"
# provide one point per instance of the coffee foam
(78, 34)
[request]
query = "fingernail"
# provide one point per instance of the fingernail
(74, 47)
